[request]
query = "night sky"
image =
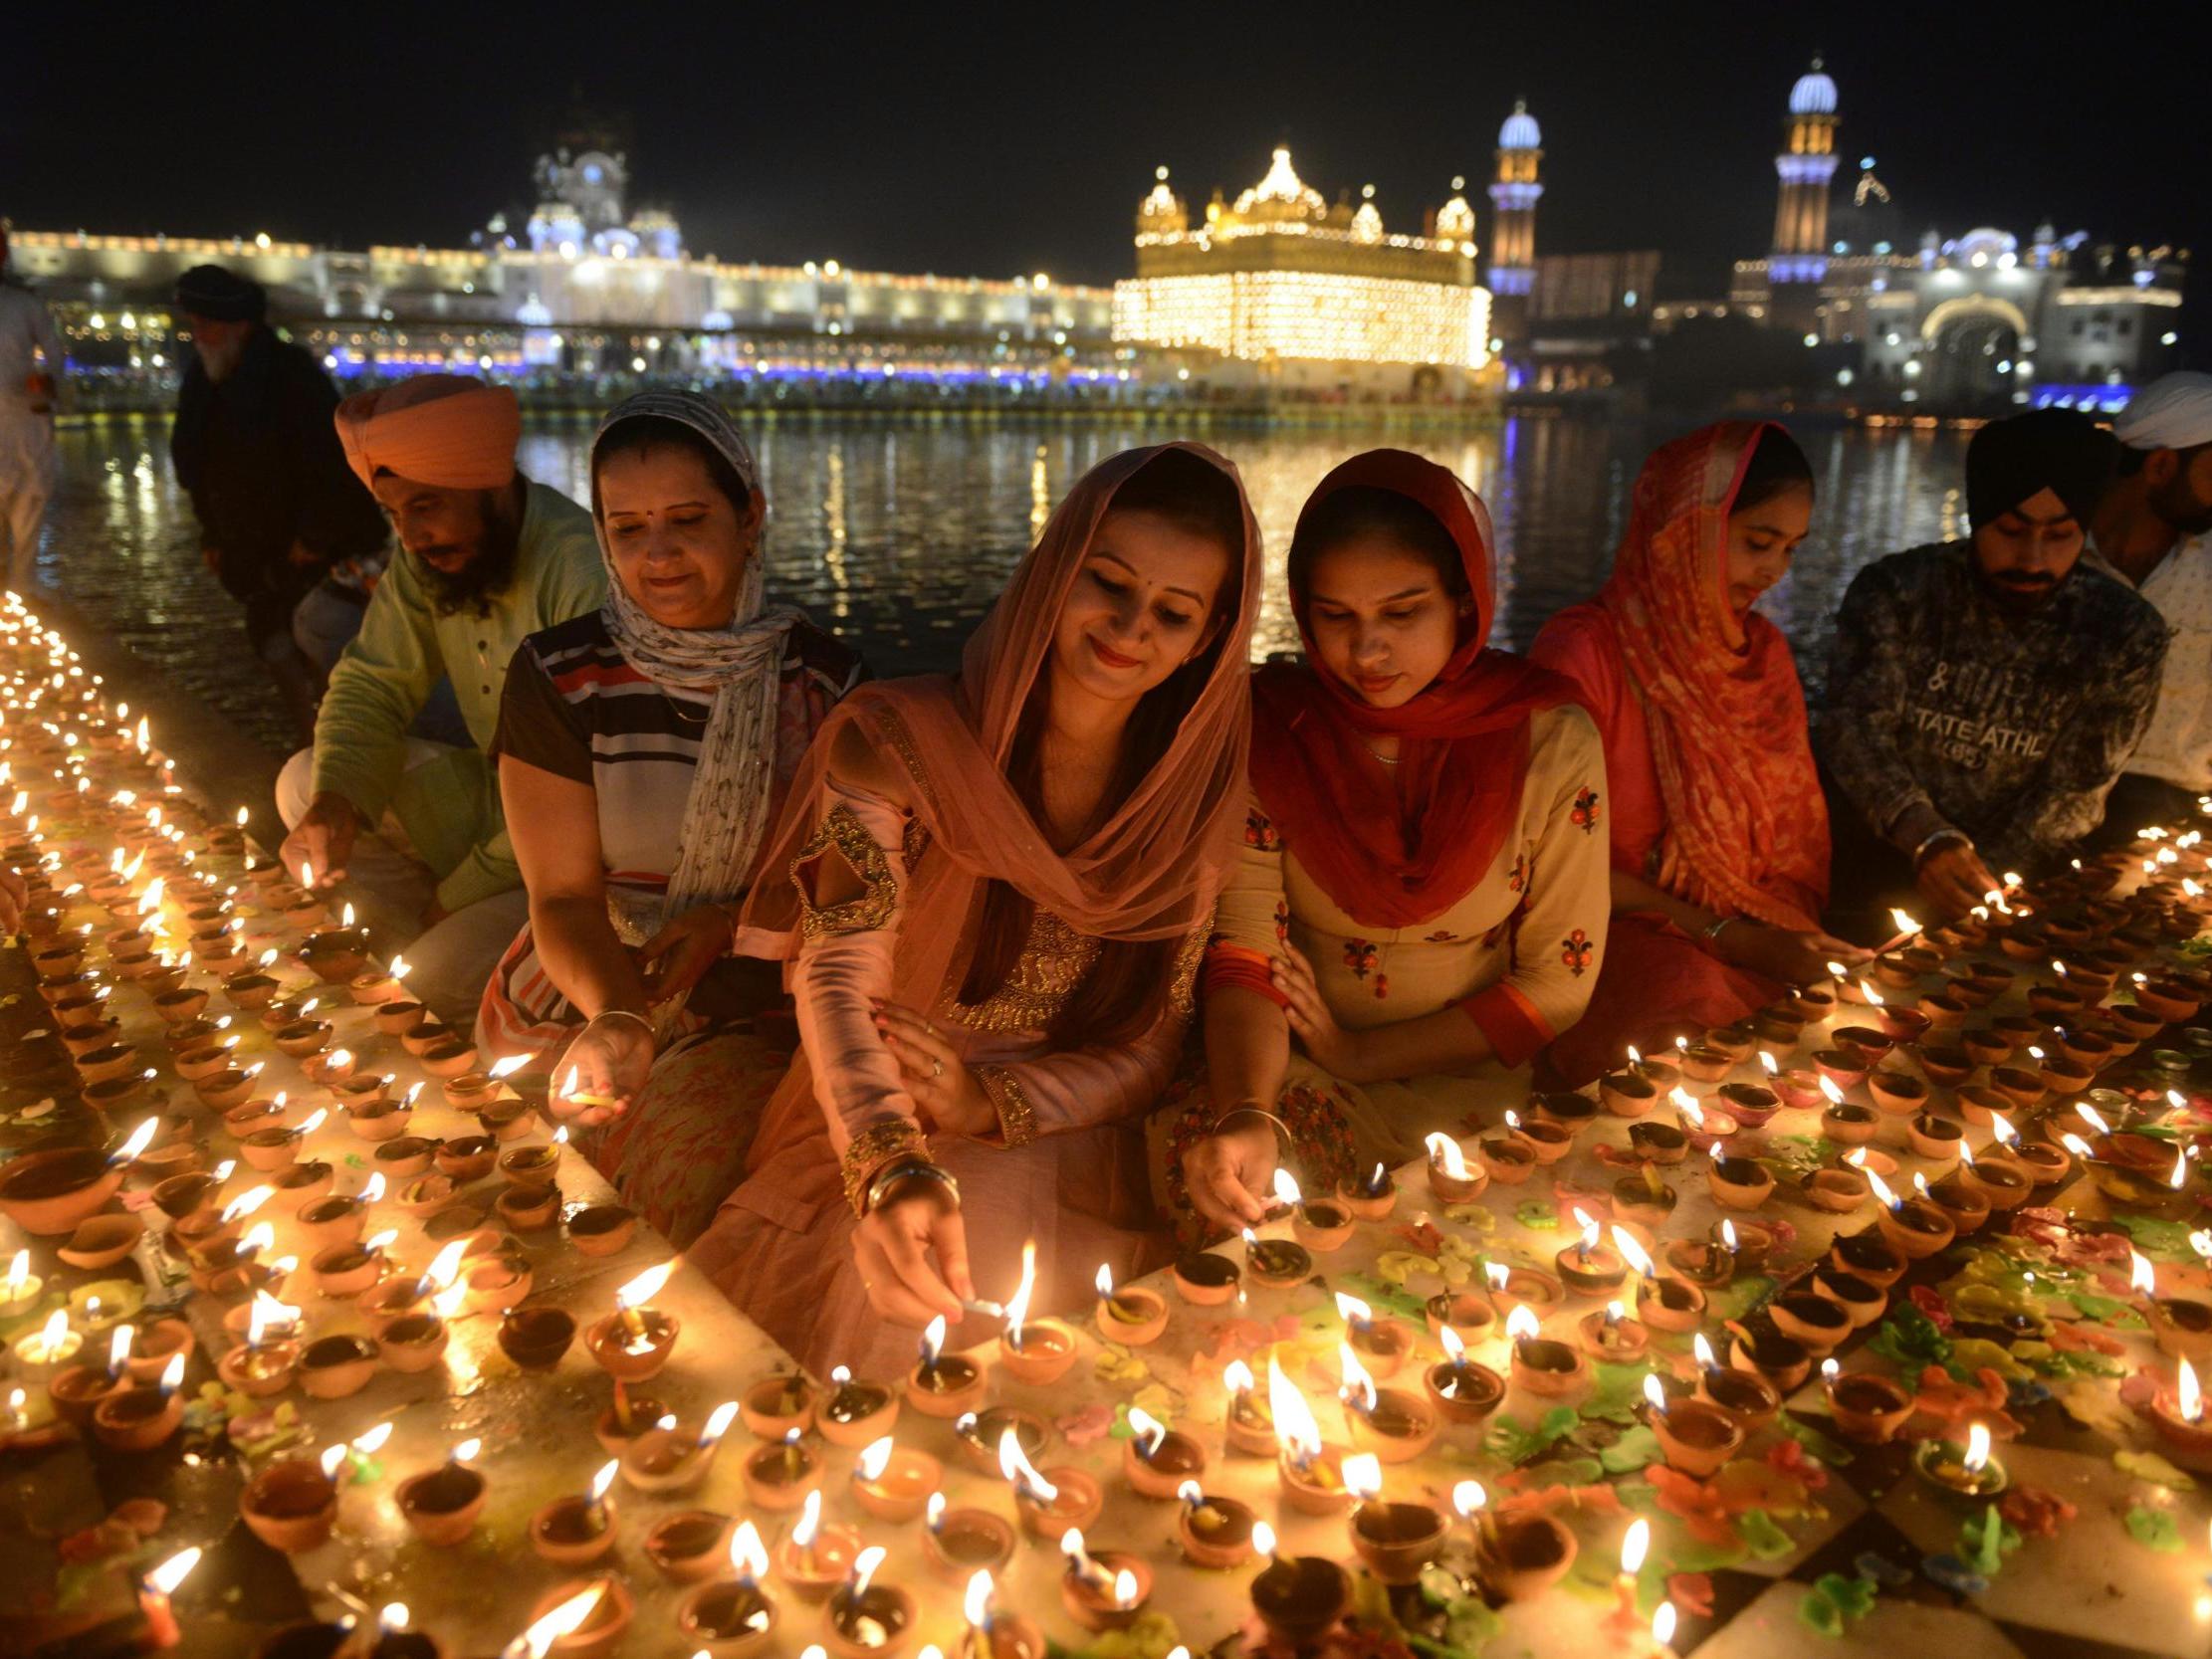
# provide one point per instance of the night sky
(1001, 141)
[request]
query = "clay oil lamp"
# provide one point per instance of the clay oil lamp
(1373, 1198)
(1963, 1474)
(577, 1531)
(855, 1414)
(1518, 1557)
(1247, 1425)
(1589, 1266)
(1572, 1112)
(1944, 1064)
(1105, 1591)
(1610, 1335)
(864, 1619)
(775, 1405)
(2182, 1326)
(1507, 1160)
(1215, 1533)
(400, 1018)
(1811, 1319)
(358, 1094)
(729, 1618)
(303, 1037)
(1309, 1473)
(1666, 1303)
(1644, 1198)
(21, 1290)
(1958, 1198)
(535, 1166)
(1866, 1408)
(1894, 1092)
(1388, 1423)
(1695, 1436)
(48, 1193)
(337, 1220)
(2178, 1414)
(101, 1241)
(404, 1157)
(429, 1033)
(957, 1544)
(1156, 1460)
(528, 1210)
(76, 1390)
(1132, 1316)
(534, 1339)
(1658, 1142)
(1628, 1094)
(376, 986)
(274, 1147)
(1320, 1224)
(451, 1055)
(1206, 1279)
(1383, 1344)
(1297, 1599)
(893, 1482)
(1551, 1370)
(1933, 1137)
(689, 1546)
(1739, 1184)
(597, 1230)
(104, 1065)
(302, 1185)
(634, 1342)
(1707, 1264)
(1705, 1128)
(674, 1457)
(1838, 1189)
(416, 1340)
(265, 1362)
(291, 1505)
(1450, 1180)
(229, 1087)
(177, 1007)
(1276, 1264)
(136, 1419)
(378, 1118)
(1868, 1255)
(1395, 1540)
(2017, 1030)
(942, 1384)
(95, 1033)
(440, 1505)
(332, 1368)
(1945, 1010)
(1702, 1063)
(1914, 1227)
(48, 1350)
(1048, 1504)
(1900, 1024)
(2086, 1050)
(1779, 1022)
(2057, 1075)
(1550, 1142)
(1747, 1102)
(1662, 1075)
(1996, 1177)
(1460, 1390)
(978, 1435)
(1760, 1346)
(1845, 1068)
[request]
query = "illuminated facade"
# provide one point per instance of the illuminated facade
(1803, 167)
(1282, 290)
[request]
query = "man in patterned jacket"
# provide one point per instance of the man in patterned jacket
(1983, 695)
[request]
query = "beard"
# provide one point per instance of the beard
(2181, 510)
(220, 362)
(488, 569)
(2014, 594)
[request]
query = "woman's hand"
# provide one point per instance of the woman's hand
(945, 1091)
(1795, 958)
(609, 1059)
(1335, 1050)
(891, 1247)
(684, 949)
(1230, 1175)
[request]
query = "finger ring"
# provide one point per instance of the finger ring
(931, 1029)
(937, 1068)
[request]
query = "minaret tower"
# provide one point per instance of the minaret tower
(1804, 165)
(1514, 196)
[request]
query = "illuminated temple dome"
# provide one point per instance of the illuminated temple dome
(1814, 93)
(1280, 279)
(1520, 131)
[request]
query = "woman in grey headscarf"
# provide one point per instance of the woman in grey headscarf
(643, 751)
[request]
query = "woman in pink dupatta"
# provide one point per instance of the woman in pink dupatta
(1000, 884)
(1718, 830)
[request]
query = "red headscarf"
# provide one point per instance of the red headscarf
(1396, 845)
(1747, 829)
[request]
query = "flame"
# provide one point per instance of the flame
(1635, 1058)
(1353, 1312)
(1147, 1430)
(1468, 1496)
(1702, 1351)
(19, 1269)
(933, 1339)
(331, 1457)
(647, 1285)
(118, 1347)
(1662, 1623)
(1654, 1391)
(1687, 1105)
(1455, 1351)
(371, 1442)
(1363, 1476)
(602, 1480)
(933, 1512)
(140, 1139)
(374, 1189)
(1358, 1388)
(1190, 1492)
(1018, 1306)
(2180, 1174)
(1521, 1324)
(1589, 1229)
(1445, 1155)
(2077, 1146)
(265, 1316)
(2140, 1274)
(809, 1522)
(2187, 1396)
(1872, 996)
(1632, 1251)
(864, 1567)
(172, 1375)
(1977, 1446)
(2001, 1130)
(259, 1237)
(1883, 1192)
(54, 1333)
(246, 1203)
(1125, 1588)
(1906, 924)
(541, 1636)
(1635, 1545)
(1104, 1280)
(466, 1451)
(976, 1604)
(1072, 1546)
(2088, 1114)
(717, 1423)
(1237, 1376)
(1295, 1428)
(1499, 1274)
(1768, 1064)
(1286, 1187)
(164, 1578)
(749, 1559)
(874, 1458)
(1015, 1464)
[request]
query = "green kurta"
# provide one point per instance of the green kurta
(450, 808)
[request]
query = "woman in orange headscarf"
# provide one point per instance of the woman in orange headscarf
(1000, 885)
(1719, 833)
(1423, 888)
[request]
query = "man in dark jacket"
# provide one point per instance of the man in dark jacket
(1985, 695)
(254, 446)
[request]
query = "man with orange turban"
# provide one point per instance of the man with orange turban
(486, 556)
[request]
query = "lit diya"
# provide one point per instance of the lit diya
(1106, 1592)
(1298, 1598)
(1320, 1224)
(1132, 1315)
(1450, 1180)
(731, 1617)
(1589, 1267)
(959, 1543)
(1036, 1352)
(1961, 1473)
(855, 1414)
(815, 1558)
(1462, 1390)
(1541, 1366)
(2179, 1417)
(864, 1617)
(1381, 1344)
(1276, 1264)
(1049, 1505)
(1385, 1422)
(1156, 1460)
(1249, 1427)
(943, 1384)
(1215, 1532)
(893, 1482)
(1395, 1540)
(1309, 1473)
(634, 1342)
(992, 1632)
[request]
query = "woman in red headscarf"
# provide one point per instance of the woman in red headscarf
(998, 887)
(1423, 887)
(1719, 834)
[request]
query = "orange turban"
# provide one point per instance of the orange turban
(447, 430)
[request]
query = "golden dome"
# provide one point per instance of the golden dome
(1456, 219)
(1162, 212)
(1282, 195)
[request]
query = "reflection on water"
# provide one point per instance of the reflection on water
(899, 538)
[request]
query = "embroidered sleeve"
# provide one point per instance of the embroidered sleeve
(1183, 987)
(1253, 921)
(869, 1150)
(842, 831)
(1018, 1116)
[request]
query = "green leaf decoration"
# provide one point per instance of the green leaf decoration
(1575, 1471)
(1537, 1215)
(2149, 1466)
(1817, 1445)
(1469, 1624)
(2103, 1309)
(1619, 1391)
(1819, 1612)
(1696, 1556)
(2154, 1529)
(2158, 1240)
(1386, 1297)
(1909, 1340)
(1636, 1449)
(1983, 1541)
(1853, 1595)
(1765, 1540)
(1438, 1587)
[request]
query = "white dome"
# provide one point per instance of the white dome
(1814, 94)
(1520, 131)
